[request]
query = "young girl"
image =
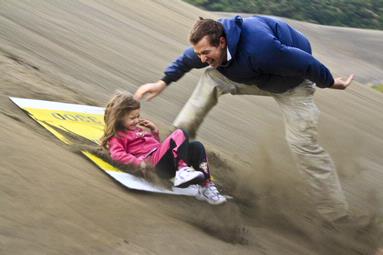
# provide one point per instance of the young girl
(128, 143)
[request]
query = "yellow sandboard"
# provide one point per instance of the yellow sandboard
(87, 122)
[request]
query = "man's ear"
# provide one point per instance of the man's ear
(222, 42)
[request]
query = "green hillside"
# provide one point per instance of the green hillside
(348, 13)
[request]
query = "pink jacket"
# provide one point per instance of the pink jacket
(133, 146)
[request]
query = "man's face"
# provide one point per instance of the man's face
(212, 55)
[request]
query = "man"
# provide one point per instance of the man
(262, 56)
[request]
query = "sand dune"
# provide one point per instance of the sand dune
(53, 201)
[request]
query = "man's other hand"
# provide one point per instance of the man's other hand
(341, 83)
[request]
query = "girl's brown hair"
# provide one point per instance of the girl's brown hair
(119, 105)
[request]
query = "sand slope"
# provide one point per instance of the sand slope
(53, 201)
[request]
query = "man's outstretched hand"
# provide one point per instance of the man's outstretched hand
(341, 83)
(149, 90)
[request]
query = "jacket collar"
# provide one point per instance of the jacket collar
(233, 28)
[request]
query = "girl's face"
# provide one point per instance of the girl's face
(131, 119)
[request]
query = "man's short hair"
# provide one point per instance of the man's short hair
(205, 27)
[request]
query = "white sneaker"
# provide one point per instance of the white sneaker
(186, 176)
(210, 194)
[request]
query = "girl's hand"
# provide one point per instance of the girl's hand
(148, 124)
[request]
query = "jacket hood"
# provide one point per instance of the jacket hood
(233, 28)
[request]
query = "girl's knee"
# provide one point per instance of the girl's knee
(182, 133)
(197, 145)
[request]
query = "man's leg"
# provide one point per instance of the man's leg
(301, 118)
(211, 85)
(202, 100)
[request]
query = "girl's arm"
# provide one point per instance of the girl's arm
(118, 153)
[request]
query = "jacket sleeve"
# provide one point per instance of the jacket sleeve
(118, 153)
(183, 64)
(284, 60)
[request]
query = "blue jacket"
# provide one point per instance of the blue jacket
(265, 52)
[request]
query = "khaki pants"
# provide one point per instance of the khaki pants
(301, 118)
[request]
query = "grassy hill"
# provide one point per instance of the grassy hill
(346, 13)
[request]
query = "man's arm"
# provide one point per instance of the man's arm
(183, 64)
(283, 60)
(290, 61)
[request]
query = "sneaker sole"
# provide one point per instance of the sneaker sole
(197, 180)
(209, 201)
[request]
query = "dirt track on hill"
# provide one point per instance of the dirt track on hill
(53, 201)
